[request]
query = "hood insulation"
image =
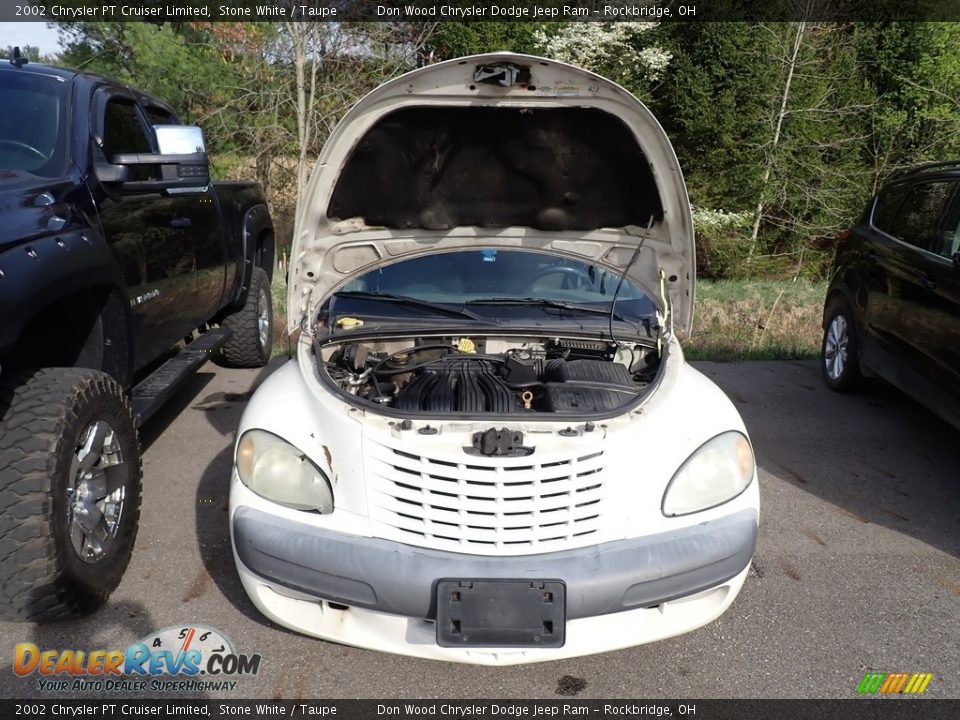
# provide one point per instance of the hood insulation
(435, 168)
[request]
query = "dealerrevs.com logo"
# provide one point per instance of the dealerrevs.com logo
(190, 658)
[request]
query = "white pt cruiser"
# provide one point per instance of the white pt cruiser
(489, 448)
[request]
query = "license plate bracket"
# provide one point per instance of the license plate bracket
(501, 613)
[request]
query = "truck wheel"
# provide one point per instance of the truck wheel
(69, 492)
(252, 325)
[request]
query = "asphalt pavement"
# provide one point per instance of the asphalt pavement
(857, 566)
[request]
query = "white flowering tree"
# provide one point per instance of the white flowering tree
(621, 51)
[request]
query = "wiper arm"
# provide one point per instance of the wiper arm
(547, 303)
(412, 301)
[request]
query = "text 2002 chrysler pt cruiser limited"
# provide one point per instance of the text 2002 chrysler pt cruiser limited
(489, 448)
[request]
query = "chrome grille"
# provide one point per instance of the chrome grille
(480, 504)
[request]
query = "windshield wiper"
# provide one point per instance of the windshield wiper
(413, 302)
(554, 304)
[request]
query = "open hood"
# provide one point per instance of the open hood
(496, 151)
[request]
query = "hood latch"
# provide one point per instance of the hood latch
(503, 74)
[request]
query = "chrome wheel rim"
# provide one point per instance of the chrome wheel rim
(263, 318)
(95, 496)
(835, 347)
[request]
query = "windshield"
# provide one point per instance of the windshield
(32, 123)
(493, 283)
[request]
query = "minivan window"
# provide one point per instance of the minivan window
(888, 202)
(921, 213)
(947, 242)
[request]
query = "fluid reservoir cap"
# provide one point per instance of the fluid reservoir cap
(346, 323)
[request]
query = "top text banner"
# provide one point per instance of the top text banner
(159, 11)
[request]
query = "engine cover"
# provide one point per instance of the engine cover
(466, 386)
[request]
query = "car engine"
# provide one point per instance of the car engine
(461, 376)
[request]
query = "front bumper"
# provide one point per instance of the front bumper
(619, 593)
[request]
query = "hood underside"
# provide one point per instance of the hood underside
(548, 168)
(496, 150)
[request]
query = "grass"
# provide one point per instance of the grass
(733, 319)
(756, 320)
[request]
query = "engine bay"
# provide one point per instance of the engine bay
(497, 376)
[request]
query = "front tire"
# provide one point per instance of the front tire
(840, 349)
(70, 483)
(252, 325)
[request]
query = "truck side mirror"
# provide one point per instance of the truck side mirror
(179, 139)
(182, 164)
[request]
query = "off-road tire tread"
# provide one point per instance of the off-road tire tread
(38, 406)
(243, 349)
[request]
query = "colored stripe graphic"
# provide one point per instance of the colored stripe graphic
(894, 683)
(871, 683)
(919, 683)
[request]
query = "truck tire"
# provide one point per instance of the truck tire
(70, 481)
(252, 325)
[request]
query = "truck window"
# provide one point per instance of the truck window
(33, 128)
(122, 130)
(159, 116)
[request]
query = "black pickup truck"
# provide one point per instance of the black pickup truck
(122, 270)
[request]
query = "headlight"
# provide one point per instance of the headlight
(277, 471)
(717, 472)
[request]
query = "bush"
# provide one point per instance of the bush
(722, 242)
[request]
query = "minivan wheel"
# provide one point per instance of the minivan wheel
(840, 351)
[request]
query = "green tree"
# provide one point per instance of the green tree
(914, 69)
(455, 39)
(31, 52)
(179, 67)
(712, 105)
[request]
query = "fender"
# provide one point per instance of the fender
(256, 220)
(40, 272)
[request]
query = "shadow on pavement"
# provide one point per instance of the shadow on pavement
(213, 490)
(171, 410)
(878, 456)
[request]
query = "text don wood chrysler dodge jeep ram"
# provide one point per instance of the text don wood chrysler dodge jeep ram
(489, 448)
(114, 247)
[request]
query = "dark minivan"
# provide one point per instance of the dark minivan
(893, 305)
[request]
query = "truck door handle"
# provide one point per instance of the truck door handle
(180, 223)
(928, 282)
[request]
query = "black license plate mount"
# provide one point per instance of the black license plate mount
(501, 613)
